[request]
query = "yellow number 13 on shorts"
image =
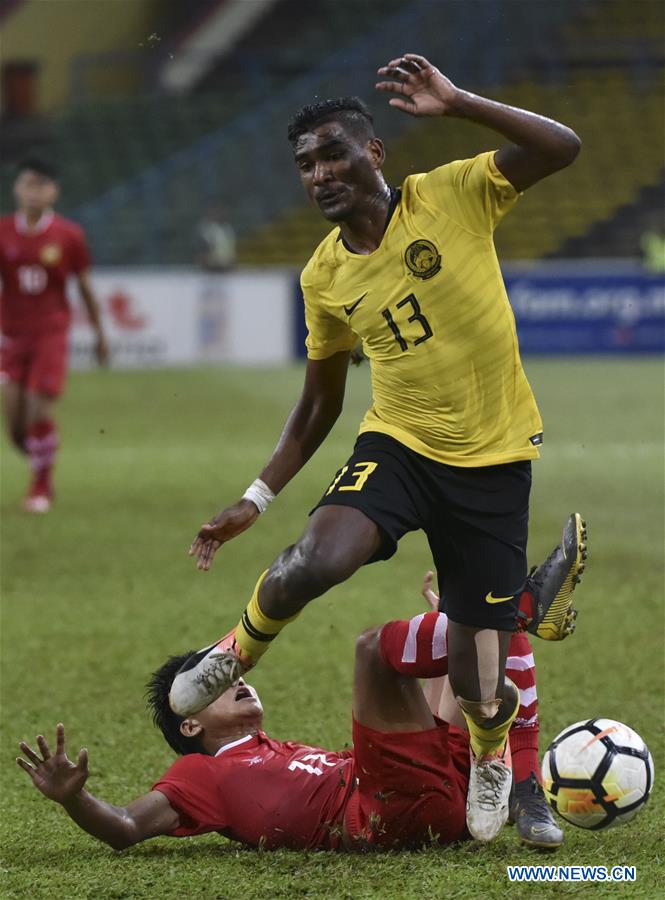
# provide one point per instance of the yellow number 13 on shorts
(361, 472)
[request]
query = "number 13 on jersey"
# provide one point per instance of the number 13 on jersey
(359, 475)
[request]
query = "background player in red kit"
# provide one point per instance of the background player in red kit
(402, 785)
(39, 250)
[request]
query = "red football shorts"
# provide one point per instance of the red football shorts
(38, 362)
(411, 790)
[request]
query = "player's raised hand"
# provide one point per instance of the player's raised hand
(56, 776)
(428, 593)
(420, 88)
(231, 522)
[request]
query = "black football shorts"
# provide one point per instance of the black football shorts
(476, 522)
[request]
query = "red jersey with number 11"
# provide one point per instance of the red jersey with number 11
(34, 267)
(263, 792)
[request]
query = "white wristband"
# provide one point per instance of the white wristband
(260, 495)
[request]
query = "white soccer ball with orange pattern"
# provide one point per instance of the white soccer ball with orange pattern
(597, 773)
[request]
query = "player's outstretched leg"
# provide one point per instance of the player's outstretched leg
(529, 810)
(546, 602)
(337, 541)
(412, 773)
(417, 647)
(213, 669)
(489, 702)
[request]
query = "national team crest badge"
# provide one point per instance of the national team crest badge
(423, 259)
(50, 254)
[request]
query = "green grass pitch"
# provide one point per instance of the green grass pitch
(96, 594)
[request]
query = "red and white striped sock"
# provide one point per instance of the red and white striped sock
(521, 669)
(418, 646)
(41, 445)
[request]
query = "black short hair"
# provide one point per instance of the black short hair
(39, 165)
(350, 111)
(157, 698)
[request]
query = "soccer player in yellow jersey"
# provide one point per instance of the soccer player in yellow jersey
(447, 444)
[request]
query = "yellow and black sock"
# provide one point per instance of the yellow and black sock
(490, 740)
(255, 631)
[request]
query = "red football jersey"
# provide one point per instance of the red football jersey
(263, 792)
(34, 267)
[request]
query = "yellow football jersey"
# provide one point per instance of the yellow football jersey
(431, 309)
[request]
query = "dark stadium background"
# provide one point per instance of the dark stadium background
(167, 121)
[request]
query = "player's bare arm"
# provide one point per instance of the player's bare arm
(429, 594)
(309, 423)
(437, 691)
(432, 687)
(92, 309)
(539, 146)
(60, 779)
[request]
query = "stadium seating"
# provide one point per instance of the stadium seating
(624, 234)
(167, 159)
(611, 95)
(245, 166)
(103, 143)
(611, 171)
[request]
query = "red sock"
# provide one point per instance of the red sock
(41, 445)
(526, 610)
(417, 646)
(521, 669)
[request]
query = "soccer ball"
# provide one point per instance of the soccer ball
(597, 773)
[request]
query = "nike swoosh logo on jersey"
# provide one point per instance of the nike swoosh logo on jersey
(349, 309)
(490, 599)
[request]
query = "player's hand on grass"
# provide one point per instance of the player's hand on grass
(56, 776)
(231, 522)
(430, 595)
(421, 89)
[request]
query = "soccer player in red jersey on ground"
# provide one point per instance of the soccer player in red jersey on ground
(39, 250)
(403, 784)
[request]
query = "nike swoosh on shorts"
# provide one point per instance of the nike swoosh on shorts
(490, 599)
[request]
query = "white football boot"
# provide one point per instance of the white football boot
(488, 797)
(203, 678)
